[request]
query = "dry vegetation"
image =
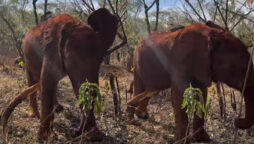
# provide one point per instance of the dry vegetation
(159, 128)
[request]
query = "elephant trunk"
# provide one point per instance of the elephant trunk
(248, 121)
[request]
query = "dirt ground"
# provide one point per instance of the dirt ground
(158, 129)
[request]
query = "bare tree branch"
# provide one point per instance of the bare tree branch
(215, 14)
(92, 4)
(45, 8)
(219, 10)
(188, 16)
(238, 10)
(90, 7)
(226, 14)
(116, 6)
(202, 9)
(241, 15)
(188, 2)
(240, 19)
(123, 38)
(147, 8)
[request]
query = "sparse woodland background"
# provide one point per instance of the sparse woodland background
(139, 18)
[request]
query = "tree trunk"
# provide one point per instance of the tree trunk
(35, 12)
(115, 95)
(17, 44)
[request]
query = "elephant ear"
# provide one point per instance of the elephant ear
(101, 19)
(104, 23)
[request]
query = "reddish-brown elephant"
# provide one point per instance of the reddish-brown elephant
(64, 46)
(197, 54)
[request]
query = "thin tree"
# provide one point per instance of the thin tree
(35, 12)
(147, 8)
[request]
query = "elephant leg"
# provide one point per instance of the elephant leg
(88, 126)
(198, 123)
(181, 119)
(49, 81)
(78, 131)
(136, 100)
(88, 123)
(141, 110)
(32, 98)
(58, 107)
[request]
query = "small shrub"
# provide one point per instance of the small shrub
(89, 95)
(193, 101)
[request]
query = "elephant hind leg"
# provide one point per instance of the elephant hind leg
(133, 103)
(32, 98)
(50, 75)
(198, 123)
(141, 109)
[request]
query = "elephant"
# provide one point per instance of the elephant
(198, 54)
(64, 46)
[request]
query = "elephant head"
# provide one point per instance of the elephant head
(230, 60)
(103, 22)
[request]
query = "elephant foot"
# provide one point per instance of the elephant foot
(182, 140)
(59, 108)
(130, 113)
(33, 113)
(75, 132)
(242, 123)
(94, 135)
(142, 114)
(44, 134)
(91, 135)
(201, 136)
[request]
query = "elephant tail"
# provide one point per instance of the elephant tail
(15, 102)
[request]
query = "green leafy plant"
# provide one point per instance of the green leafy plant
(89, 95)
(193, 101)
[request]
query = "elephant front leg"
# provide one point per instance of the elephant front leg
(181, 119)
(90, 129)
(200, 134)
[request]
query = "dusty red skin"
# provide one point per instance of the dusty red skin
(198, 54)
(64, 46)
